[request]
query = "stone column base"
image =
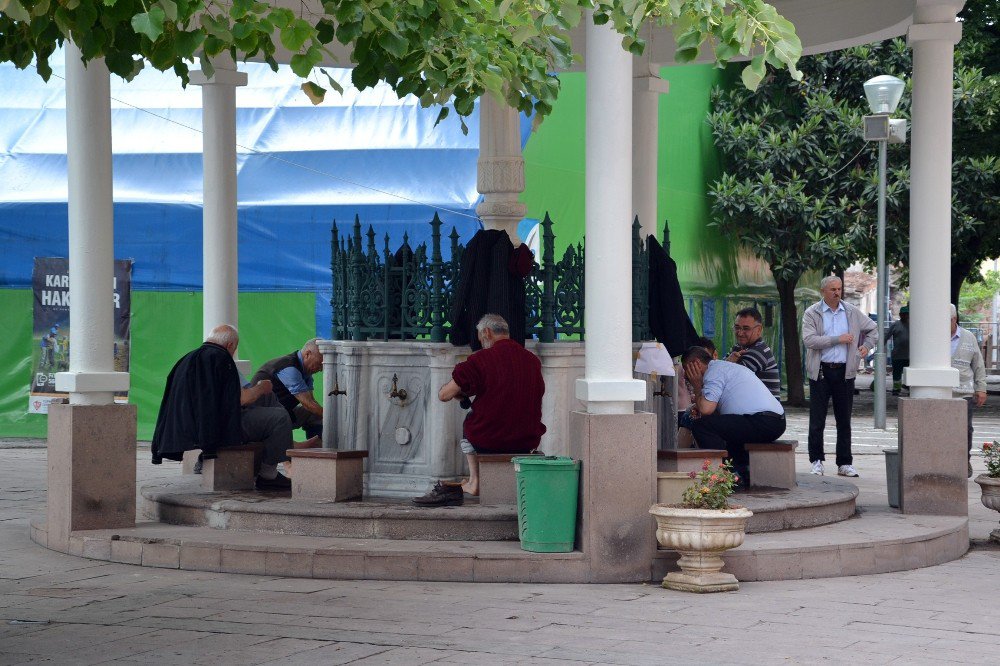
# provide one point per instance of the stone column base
(91, 469)
(933, 442)
(706, 582)
(617, 487)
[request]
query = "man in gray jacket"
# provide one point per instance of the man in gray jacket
(967, 358)
(836, 336)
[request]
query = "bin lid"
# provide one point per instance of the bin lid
(544, 461)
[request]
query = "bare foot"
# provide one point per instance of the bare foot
(311, 443)
(468, 487)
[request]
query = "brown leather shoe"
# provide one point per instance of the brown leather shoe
(441, 495)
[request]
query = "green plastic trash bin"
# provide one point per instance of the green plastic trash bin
(547, 491)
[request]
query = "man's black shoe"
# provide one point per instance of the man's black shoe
(198, 464)
(277, 483)
(441, 495)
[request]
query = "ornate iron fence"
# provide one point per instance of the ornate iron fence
(381, 295)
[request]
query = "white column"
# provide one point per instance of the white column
(500, 168)
(91, 379)
(647, 87)
(933, 37)
(607, 386)
(220, 259)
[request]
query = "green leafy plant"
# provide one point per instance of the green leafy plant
(991, 452)
(711, 488)
(444, 52)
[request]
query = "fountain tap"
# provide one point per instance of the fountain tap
(662, 392)
(336, 388)
(397, 392)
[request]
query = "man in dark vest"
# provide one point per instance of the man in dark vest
(292, 378)
(506, 382)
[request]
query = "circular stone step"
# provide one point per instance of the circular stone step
(184, 502)
(817, 500)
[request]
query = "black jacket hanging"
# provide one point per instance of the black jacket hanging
(669, 323)
(490, 281)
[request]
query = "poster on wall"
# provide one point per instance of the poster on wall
(50, 339)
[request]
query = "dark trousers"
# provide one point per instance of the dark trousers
(897, 368)
(831, 386)
(732, 431)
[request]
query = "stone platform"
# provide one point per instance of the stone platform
(816, 501)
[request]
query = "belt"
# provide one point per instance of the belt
(833, 365)
(772, 414)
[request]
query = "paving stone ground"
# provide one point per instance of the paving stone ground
(60, 609)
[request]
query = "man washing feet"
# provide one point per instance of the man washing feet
(505, 383)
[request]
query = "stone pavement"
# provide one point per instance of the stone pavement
(60, 609)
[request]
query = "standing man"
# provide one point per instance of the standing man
(836, 336)
(899, 333)
(734, 408)
(967, 358)
(292, 379)
(752, 352)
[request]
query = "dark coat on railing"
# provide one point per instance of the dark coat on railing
(490, 281)
(668, 320)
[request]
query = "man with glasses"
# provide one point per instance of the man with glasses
(752, 352)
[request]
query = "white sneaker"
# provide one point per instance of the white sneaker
(818, 468)
(847, 470)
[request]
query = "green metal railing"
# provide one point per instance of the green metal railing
(380, 295)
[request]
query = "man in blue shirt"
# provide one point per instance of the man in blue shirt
(733, 408)
(292, 379)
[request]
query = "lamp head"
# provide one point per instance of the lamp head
(883, 93)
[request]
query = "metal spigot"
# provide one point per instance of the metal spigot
(397, 392)
(336, 387)
(663, 390)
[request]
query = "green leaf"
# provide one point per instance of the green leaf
(169, 9)
(754, 73)
(523, 33)
(187, 42)
(394, 44)
(15, 10)
(295, 34)
(314, 92)
(149, 23)
(442, 115)
(333, 82)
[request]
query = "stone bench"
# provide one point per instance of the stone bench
(235, 468)
(687, 460)
(772, 465)
(497, 481)
(327, 474)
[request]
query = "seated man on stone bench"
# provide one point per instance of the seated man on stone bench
(205, 407)
(505, 381)
(733, 408)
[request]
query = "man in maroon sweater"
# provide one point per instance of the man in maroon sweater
(506, 382)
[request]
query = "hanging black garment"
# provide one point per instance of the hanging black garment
(490, 281)
(200, 407)
(668, 320)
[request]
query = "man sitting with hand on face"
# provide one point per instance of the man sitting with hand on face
(733, 406)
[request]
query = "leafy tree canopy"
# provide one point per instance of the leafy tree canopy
(442, 51)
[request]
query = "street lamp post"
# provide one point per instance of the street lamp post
(883, 93)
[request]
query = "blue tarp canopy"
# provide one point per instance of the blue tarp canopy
(300, 168)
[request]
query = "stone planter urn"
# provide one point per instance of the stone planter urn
(700, 536)
(991, 498)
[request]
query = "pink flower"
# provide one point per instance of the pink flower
(713, 478)
(691, 475)
(707, 464)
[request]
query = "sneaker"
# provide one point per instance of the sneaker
(847, 470)
(817, 468)
(277, 483)
(441, 495)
